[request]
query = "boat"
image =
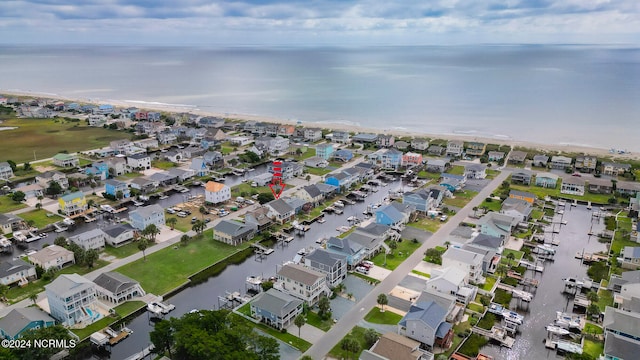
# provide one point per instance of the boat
(513, 316)
(338, 204)
(557, 330)
(154, 308)
(162, 197)
(166, 308)
(338, 211)
(254, 280)
(343, 229)
(269, 251)
(251, 169)
(321, 220)
(573, 282)
(568, 321)
(546, 249)
(302, 252)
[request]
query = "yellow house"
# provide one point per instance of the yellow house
(73, 204)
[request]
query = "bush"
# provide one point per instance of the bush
(487, 321)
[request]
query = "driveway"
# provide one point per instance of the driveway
(410, 233)
(378, 272)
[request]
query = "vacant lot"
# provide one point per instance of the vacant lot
(47, 137)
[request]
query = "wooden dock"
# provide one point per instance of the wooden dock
(496, 334)
(531, 266)
(590, 258)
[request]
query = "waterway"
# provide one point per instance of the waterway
(205, 295)
(549, 297)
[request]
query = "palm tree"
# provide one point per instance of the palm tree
(38, 206)
(299, 321)
(184, 239)
(510, 257)
(350, 296)
(4, 289)
(34, 298)
(172, 222)
(198, 226)
(393, 245)
(382, 301)
(143, 244)
(151, 231)
(203, 210)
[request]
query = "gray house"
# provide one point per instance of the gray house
(276, 308)
(117, 288)
(332, 264)
(522, 177)
(233, 232)
(426, 322)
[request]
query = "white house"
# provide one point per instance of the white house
(92, 239)
(147, 215)
(70, 296)
(52, 256)
(465, 260)
(119, 234)
(140, 161)
(303, 283)
(216, 193)
(117, 288)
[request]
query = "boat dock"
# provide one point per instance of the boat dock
(109, 336)
(143, 354)
(581, 301)
(589, 257)
(563, 346)
(496, 334)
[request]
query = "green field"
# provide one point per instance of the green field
(163, 164)
(397, 256)
(122, 251)
(8, 205)
(456, 170)
(593, 348)
(426, 224)
(541, 192)
(358, 334)
(317, 171)
(460, 199)
(493, 205)
(315, 320)
(376, 316)
(40, 218)
(47, 137)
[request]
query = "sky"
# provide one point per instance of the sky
(319, 22)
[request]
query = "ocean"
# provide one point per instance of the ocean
(552, 94)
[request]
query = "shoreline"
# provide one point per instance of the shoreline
(337, 125)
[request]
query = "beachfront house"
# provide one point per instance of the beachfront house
(495, 156)
(332, 264)
(147, 215)
(73, 204)
(20, 320)
(547, 180)
(341, 137)
(6, 171)
(72, 300)
(52, 257)
(475, 171)
(560, 162)
(385, 141)
(426, 322)
(276, 308)
(522, 176)
(611, 168)
(66, 160)
(365, 138)
(540, 160)
(517, 157)
(16, 271)
(572, 186)
(475, 148)
(420, 144)
(216, 193)
(324, 150)
(586, 164)
(455, 148)
(116, 188)
(233, 232)
(436, 150)
(117, 288)
(119, 234)
(303, 283)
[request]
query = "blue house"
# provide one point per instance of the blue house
(99, 168)
(20, 320)
(424, 199)
(343, 155)
(339, 180)
(199, 166)
(275, 308)
(426, 322)
(112, 187)
(324, 151)
(208, 143)
(354, 252)
(105, 109)
(394, 214)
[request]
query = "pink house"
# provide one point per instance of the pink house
(411, 159)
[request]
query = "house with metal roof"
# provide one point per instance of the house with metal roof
(354, 251)
(630, 257)
(392, 346)
(119, 234)
(280, 211)
(114, 187)
(16, 271)
(560, 162)
(306, 284)
(233, 232)
(66, 160)
(332, 264)
(276, 308)
(52, 257)
(72, 300)
(423, 199)
(73, 204)
(547, 180)
(622, 334)
(455, 148)
(216, 193)
(475, 171)
(469, 261)
(395, 214)
(371, 244)
(147, 215)
(324, 150)
(498, 225)
(259, 217)
(426, 322)
(117, 288)
(20, 320)
(365, 138)
(572, 185)
(517, 208)
(488, 242)
(522, 176)
(452, 280)
(92, 239)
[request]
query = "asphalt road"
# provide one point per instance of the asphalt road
(357, 313)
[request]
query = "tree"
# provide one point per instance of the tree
(26, 166)
(162, 336)
(203, 210)
(143, 244)
(306, 357)
(593, 296)
(60, 241)
(308, 178)
(4, 289)
(90, 257)
(501, 270)
(350, 345)
(266, 285)
(33, 297)
(510, 257)
(593, 309)
(370, 337)
(184, 239)
(54, 189)
(150, 232)
(349, 296)
(299, 321)
(119, 195)
(172, 222)
(56, 332)
(393, 245)
(264, 198)
(78, 252)
(382, 301)
(475, 210)
(199, 226)
(324, 306)
(13, 165)
(18, 196)
(38, 206)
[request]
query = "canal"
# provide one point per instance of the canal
(549, 296)
(205, 295)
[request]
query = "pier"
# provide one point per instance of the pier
(496, 334)
(531, 266)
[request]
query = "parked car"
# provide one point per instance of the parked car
(194, 219)
(182, 214)
(444, 218)
(171, 211)
(368, 264)
(362, 269)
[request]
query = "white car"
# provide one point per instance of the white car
(362, 269)
(182, 214)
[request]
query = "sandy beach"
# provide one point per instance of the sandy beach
(170, 108)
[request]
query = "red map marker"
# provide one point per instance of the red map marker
(277, 188)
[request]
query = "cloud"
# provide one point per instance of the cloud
(226, 21)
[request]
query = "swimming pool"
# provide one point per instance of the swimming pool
(93, 315)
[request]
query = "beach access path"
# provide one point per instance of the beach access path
(320, 348)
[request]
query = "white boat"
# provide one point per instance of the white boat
(546, 249)
(162, 197)
(343, 229)
(573, 282)
(321, 220)
(557, 330)
(269, 251)
(166, 308)
(154, 308)
(513, 316)
(254, 280)
(568, 321)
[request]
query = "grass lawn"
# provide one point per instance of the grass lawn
(183, 224)
(40, 218)
(428, 175)
(517, 256)
(122, 251)
(317, 171)
(493, 205)
(377, 317)
(593, 348)
(491, 174)
(8, 205)
(421, 273)
(163, 164)
(590, 328)
(476, 307)
(246, 188)
(128, 307)
(366, 278)
(536, 214)
(48, 137)
(426, 224)
(488, 284)
(314, 320)
(456, 170)
(96, 326)
(169, 268)
(358, 334)
(605, 298)
(127, 176)
(541, 192)
(226, 150)
(461, 198)
(305, 155)
(457, 329)
(397, 256)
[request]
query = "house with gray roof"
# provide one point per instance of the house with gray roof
(522, 176)
(560, 162)
(495, 155)
(365, 138)
(454, 281)
(69, 298)
(9, 223)
(628, 277)
(280, 211)
(276, 308)
(436, 165)
(547, 180)
(622, 334)
(20, 320)
(16, 271)
(435, 150)
(117, 288)
(631, 257)
(303, 283)
(394, 214)
(379, 231)
(446, 301)
(517, 208)
(119, 234)
(147, 215)
(52, 257)
(572, 185)
(392, 346)
(455, 148)
(259, 217)
(144, 184)
(234, 232)
(540, 160)
(465, 260)
(47, 177)
(615, 169)
(5, 171)
(488, 242)
(311, 194)
(475, 171)
(490, 259)
(332, 264)
(354, 251)
(498, 225)
(426, 322)
(371, 244)
(420, 144)
(517, 157)
(92, 239)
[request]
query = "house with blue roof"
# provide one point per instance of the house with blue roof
(343, 155)
(113, 186)
(98, 168)
(340, 180)
(394, 214)
(426, 322)
(354, 251)
(498, 225)
(105, 109)
(453, 182)
(424, 199)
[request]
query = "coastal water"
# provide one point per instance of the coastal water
(548, 94)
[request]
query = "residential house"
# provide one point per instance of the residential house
(280, 211)
(286, 130)
(233, 232)
(73, 203)
(119, 234)
(213, 159)
(426, 322)
(523, 195)
(436, 150)
(288, 169)
(92, 239)
(354, 252)
(139, 161)
(618, 281)
(394, 214)
(475, 148)
(5, 171)
(147, 215)
(540, 160)
(628, 188)
(262, 179)
(436, 165)
(522, 176)
(420, 144)
(327, 190)
(411, 159)
(452, 281)
(630, 257)
(275, 146)
(47, 177)
(586, 164)
(310, 194)
(303, 283)
(385, 140)
(117, 165)
(144, 184)
(340, 180)
(216, 193)
(240, 140)
(600, 186)
(424, 199)
(392, 346)
(167, 137)
(123, 146)
(371, 244)
(316, 162)
(66, 160)
(9, 223)
(455, 148)
(629, 298)
(446, 301)
(259, 217)
(389, 159)
(573, 186)
(547, 180)
(312, 134)
(608, 168)
(490, 259)
(498, 225)
(343, 155)
(147, 144)
(622, 338)
(20, 320)
(488, 242)
(475, 171)
(517, 157)
(199, 166)
(468, 261)
(560, 162)
(104, 109)
(365, 138)
(495, 155)
(117, 288)
(52, 257)
(32, 191)
(116, 187)
(517, 207)
(164, 178)
(401, 145)
(332, 264)
(276, 308)
(453, 182)
(16, 271)
(341, 137)
(100, 169)
(69, 298)
(211, 122)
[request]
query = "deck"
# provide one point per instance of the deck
(496, 334)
